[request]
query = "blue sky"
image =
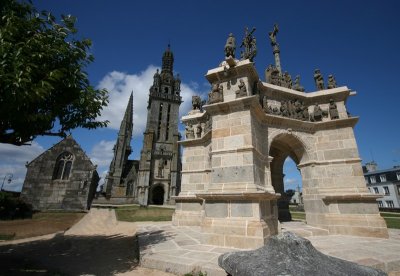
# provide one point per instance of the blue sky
(356, 41)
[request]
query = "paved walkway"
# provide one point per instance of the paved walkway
(101, 245)
(178, 249)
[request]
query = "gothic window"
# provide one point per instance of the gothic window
(383, 177)
(159, 121)
(167, 128)
(63, 166)
(373, 179)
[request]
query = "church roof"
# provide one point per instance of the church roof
(59, 144)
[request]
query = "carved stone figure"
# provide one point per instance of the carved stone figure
(230, 46)
(156, 79)
(189, 132)
(265, 104)
(272, 35)
(216, 95)
(249, 44)
(198, 131)
(177, 84)
(306, 115)
(297, 85)
(333, 112)
(196, 103)
(287, 80)
(276, 78)
(284, 109)
(317, 114)
(319, 80)
(331, 82)
(268, 73)
(242, 92)
(160, 167)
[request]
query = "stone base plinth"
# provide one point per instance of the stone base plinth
(355, 215)
(237, 233)
(239, 220)
(350, 224)
(188, 211)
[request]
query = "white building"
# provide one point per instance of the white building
(383, 182)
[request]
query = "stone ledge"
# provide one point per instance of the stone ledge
(337, 94)
(329, 162)
(237, 196)
(351, 198)
(230, 106)
(196, 171)
(196, 141)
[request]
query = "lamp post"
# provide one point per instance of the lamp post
(10, 176)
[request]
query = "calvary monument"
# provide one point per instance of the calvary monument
(236, 145)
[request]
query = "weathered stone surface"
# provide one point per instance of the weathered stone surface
(51, 184)
(289, 254)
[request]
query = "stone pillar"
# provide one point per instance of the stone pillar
(276, 52)
(335, 195)
(240, 204)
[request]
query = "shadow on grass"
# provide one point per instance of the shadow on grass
(71, 255)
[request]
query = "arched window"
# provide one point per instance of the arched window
(63, 166)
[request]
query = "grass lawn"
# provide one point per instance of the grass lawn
(298, 215)
(42, 223)
(392, 222)
(136, 213)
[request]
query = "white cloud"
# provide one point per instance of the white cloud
(120, 85)
(289, 181)
(13, 160)
(102, 153)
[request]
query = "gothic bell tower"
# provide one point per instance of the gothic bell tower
(159, 167)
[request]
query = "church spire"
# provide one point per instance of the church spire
(122, 149)
(127, 121)
(168, 60)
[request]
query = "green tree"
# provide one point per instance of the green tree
(44, 89)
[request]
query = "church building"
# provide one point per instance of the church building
(155, 178)
(61, 178)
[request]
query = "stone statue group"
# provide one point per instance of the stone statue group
(296, 109)
(273, 73)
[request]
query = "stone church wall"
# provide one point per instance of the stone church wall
(75, 193)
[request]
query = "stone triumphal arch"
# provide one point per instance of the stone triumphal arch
(236, 144)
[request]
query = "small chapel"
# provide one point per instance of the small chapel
(61, 178)
(155, 178)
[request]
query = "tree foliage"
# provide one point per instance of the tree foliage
(44, 89)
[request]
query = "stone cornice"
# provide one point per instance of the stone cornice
(281, 93)
(226, 73)
(237, 196)
(231, 106)
(196, 141)
(351, 198)
(329, 162)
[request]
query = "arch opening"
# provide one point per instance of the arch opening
(157, 195)
(285, 149)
